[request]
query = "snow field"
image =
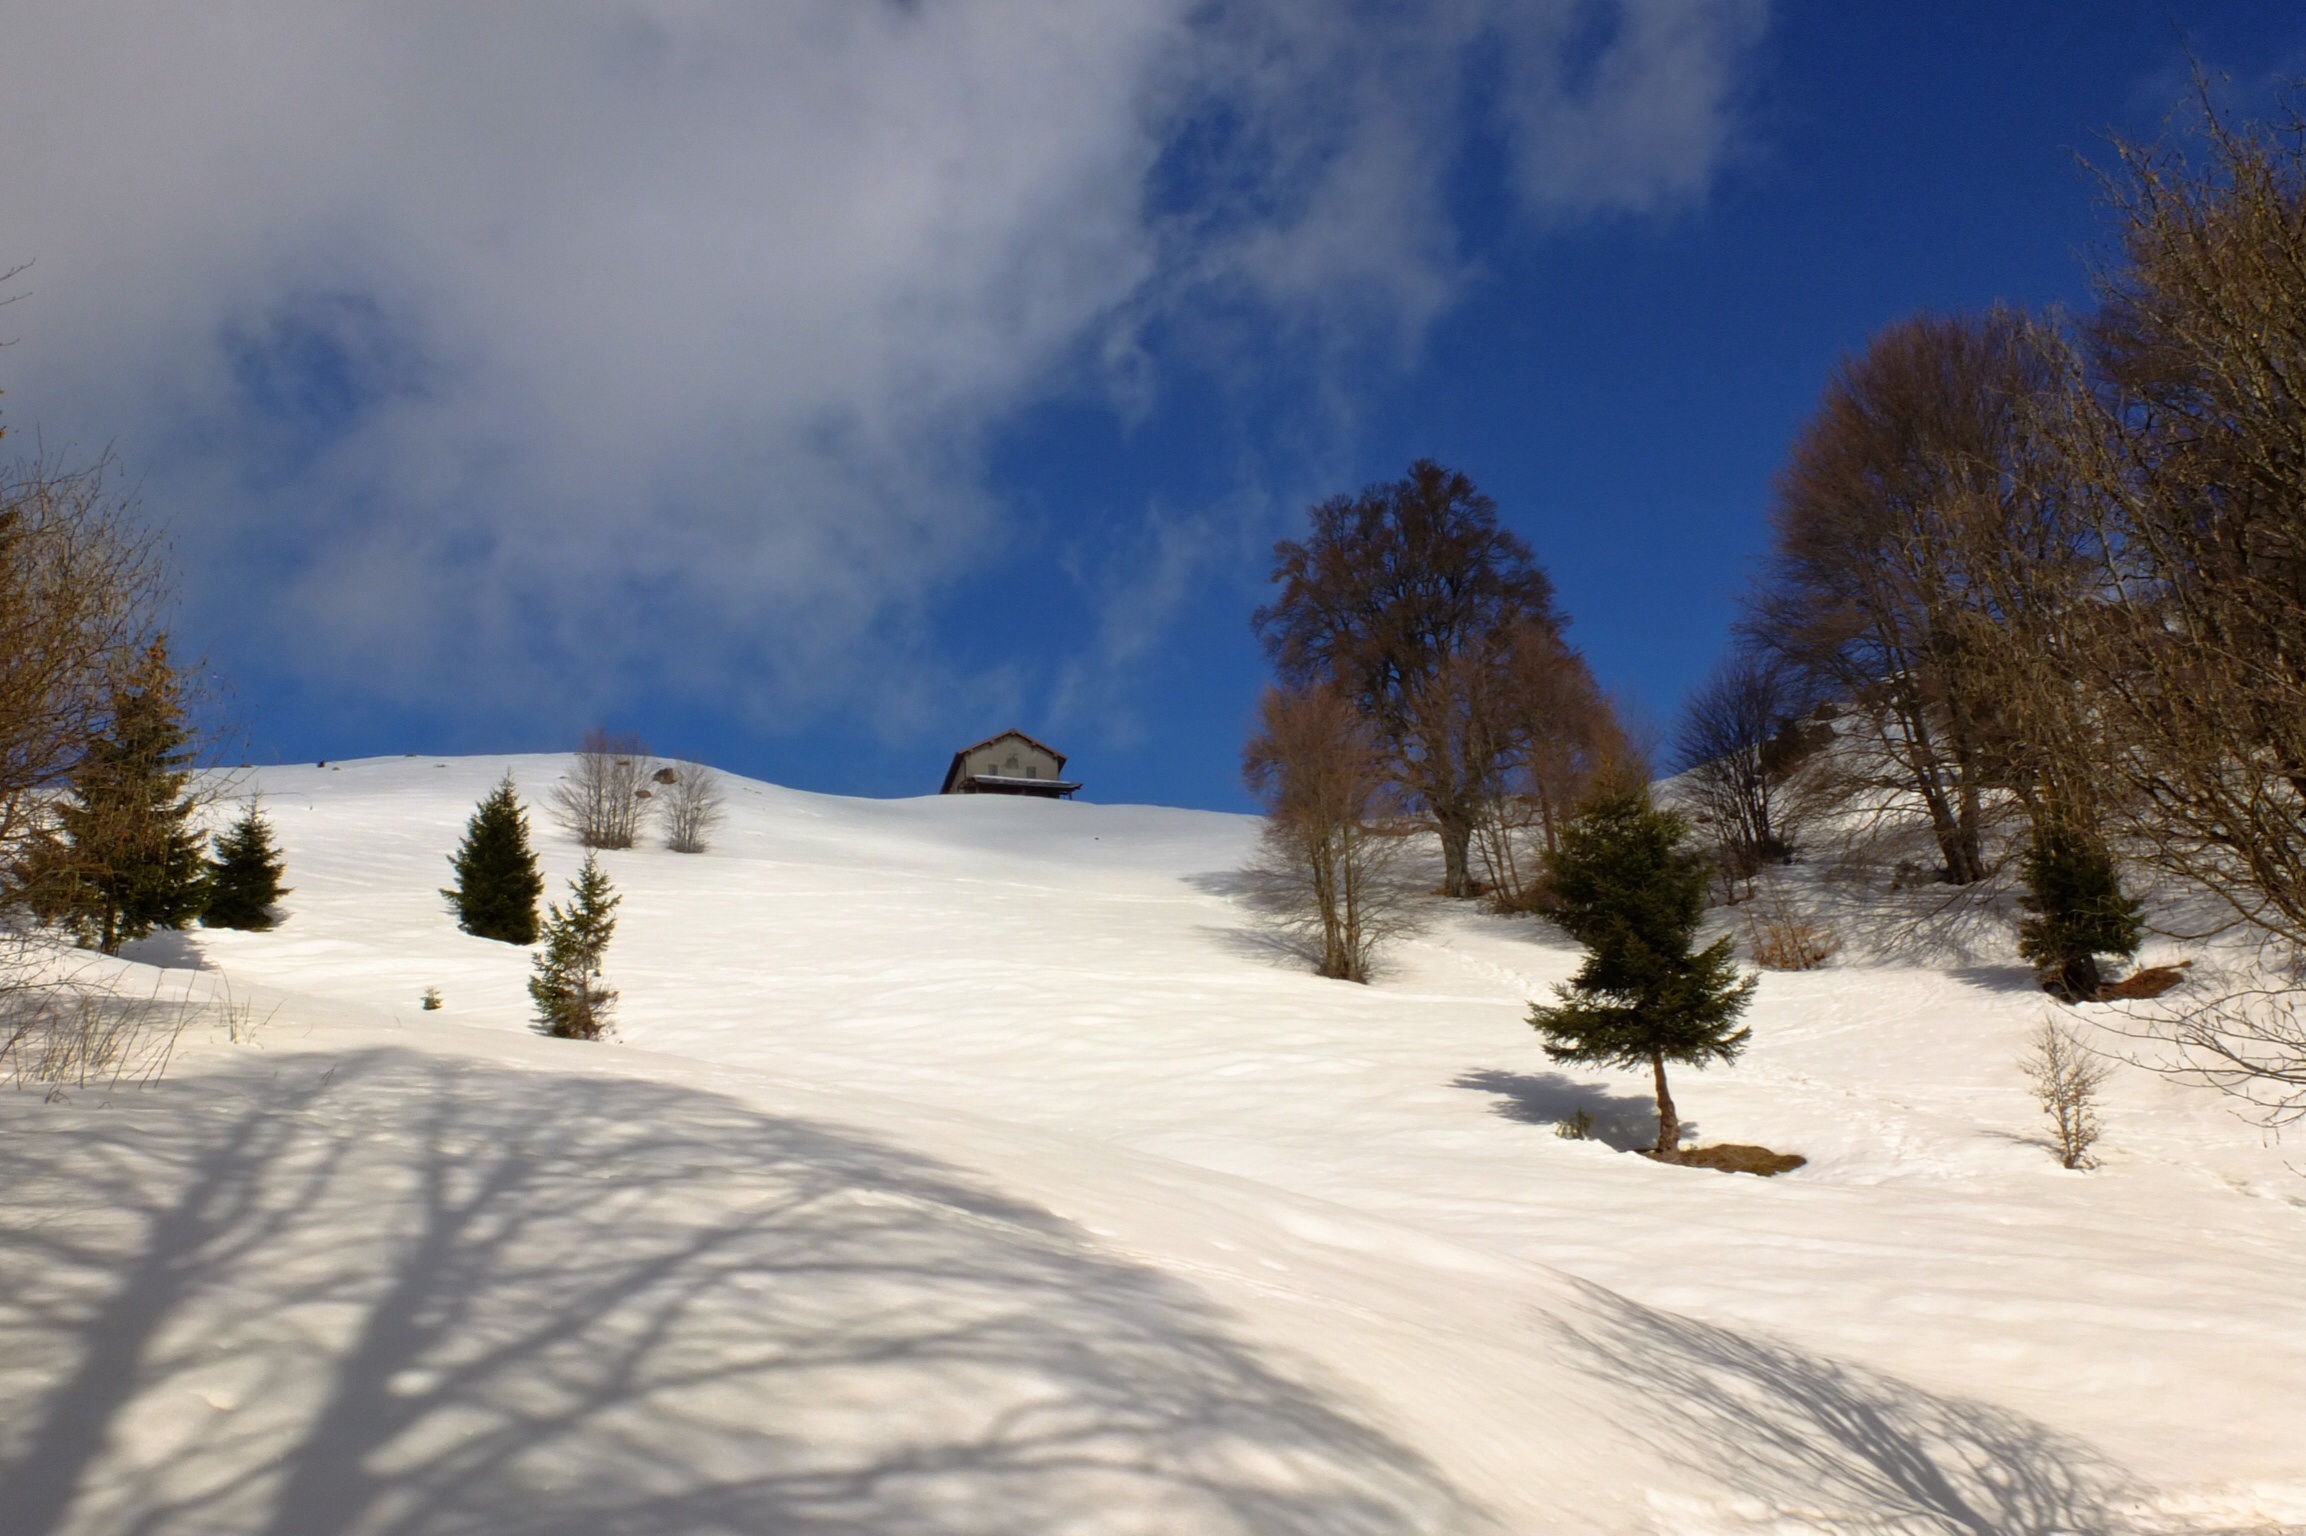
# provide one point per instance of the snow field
(1001, 1178)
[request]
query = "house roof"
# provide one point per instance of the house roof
(953, 774)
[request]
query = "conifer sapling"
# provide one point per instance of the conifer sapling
(1632, 893)
(2080, 912)
(571, 1002)
(497, 879)
(244, 877)
(124, 858)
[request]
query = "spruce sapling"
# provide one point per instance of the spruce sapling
(2080, 912)
(571, 1002)
(124, 858)
(244, 877)
(1633, 894)
(497, 879)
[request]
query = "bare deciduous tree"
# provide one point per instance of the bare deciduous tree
(691, 796)
(606, 793)
(2191, 449)
(2066, 1078)
(1917, 474)
(1557, 740)
(1327, 870)
(1738, 738)
(80, 588)
(1405, 598)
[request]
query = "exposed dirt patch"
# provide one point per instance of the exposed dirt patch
(2153, 981)
(1735, 1157)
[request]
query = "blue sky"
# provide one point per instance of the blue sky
(815, 398)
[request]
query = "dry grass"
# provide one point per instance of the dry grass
(64, 1037)
(1735, 1157)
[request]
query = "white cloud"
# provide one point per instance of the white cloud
(656, 342)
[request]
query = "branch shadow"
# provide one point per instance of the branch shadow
(1827, 1445)
(1626, 1122)
(416, 1295)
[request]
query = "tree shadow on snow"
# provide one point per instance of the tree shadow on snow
(2009, 979)
(414, 1295)
(1830, 1445)
(168, 949)
(1626, 1122)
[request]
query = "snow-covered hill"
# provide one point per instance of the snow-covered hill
(973, 1165)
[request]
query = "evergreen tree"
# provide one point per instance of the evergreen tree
(124, 858)
(2080, 912)
(571, 1002)
(244, 877)
(1632, 894)
(497, 881)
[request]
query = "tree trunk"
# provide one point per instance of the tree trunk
(1456, 844)
(1668, 1123)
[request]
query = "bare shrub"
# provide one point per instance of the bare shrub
(1327, 870)
(1781, 941)
(2066, 1078)
(605, 795)
(2246, 1041)
(67, 1027)
(692, 801)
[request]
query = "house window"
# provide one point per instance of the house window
(1032, 771)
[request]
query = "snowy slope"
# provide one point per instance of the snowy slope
(971, 1164)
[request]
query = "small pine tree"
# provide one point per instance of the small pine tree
(1633, 894)
(497, 880)
(124, 858)
(571, 1002)
(244, 877)
(2080, 912)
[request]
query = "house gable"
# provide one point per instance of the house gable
(1009, 763)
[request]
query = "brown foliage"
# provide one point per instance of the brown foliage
(1407, 598)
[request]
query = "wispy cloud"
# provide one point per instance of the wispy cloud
(657, 344)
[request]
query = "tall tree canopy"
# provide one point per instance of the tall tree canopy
(1915, 521)
(1406, 598)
